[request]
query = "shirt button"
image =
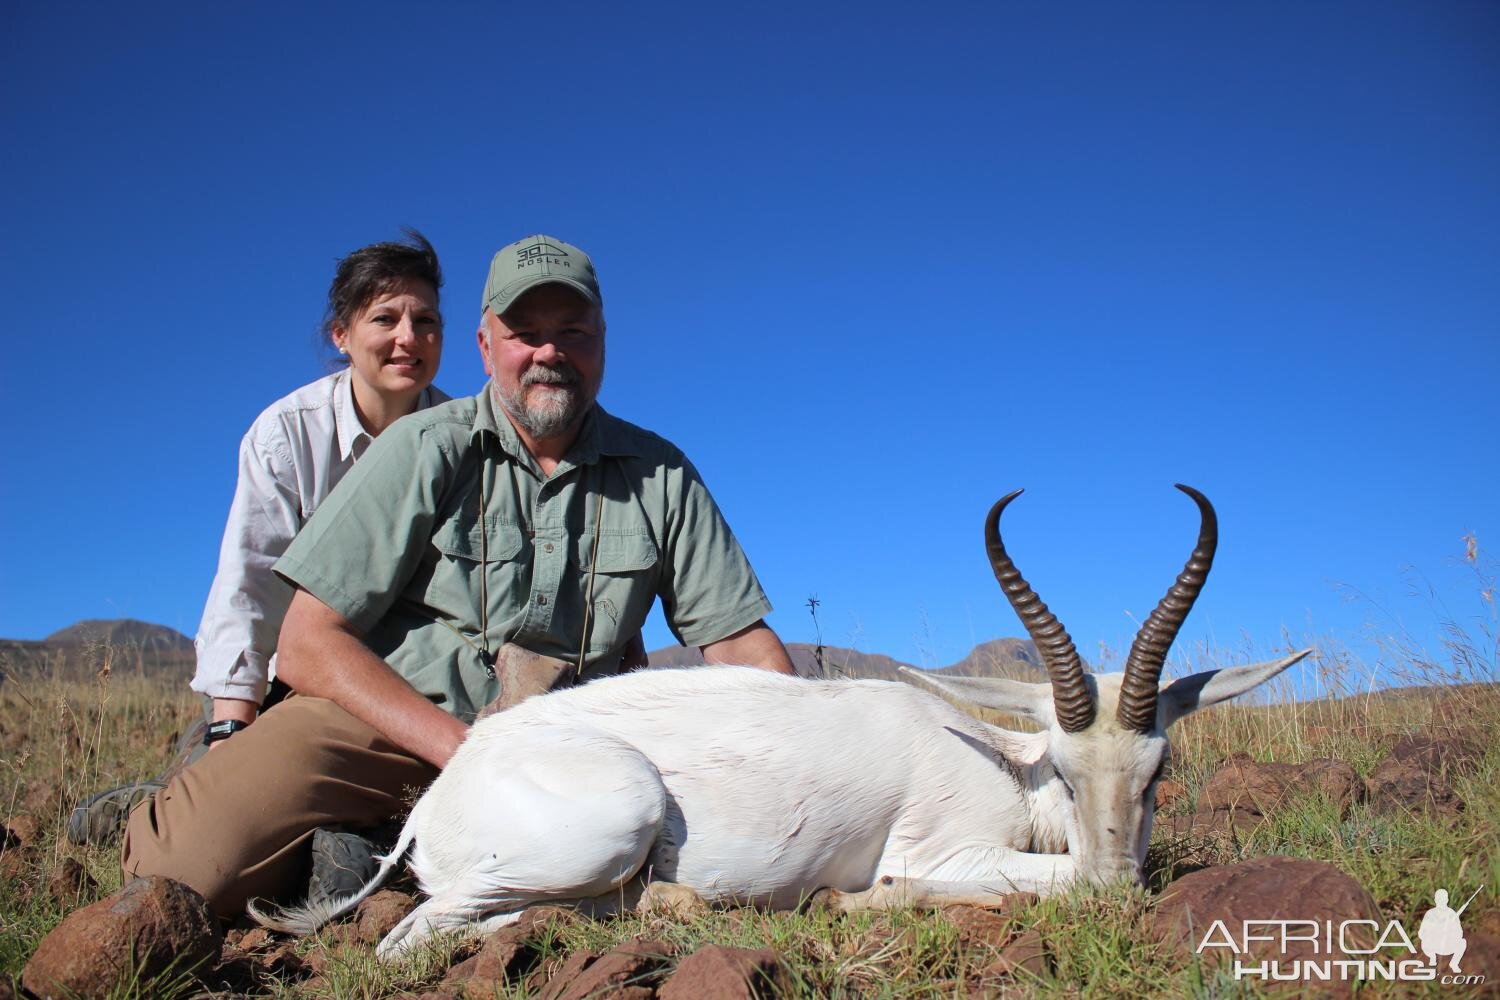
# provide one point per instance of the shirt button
(547, 547)
(541, 599)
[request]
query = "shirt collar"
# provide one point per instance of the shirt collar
(353, 438)
(601, 434)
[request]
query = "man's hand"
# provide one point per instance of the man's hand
(321, 654)
(755, 646)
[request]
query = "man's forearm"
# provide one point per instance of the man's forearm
(320, 655)
(755, 646)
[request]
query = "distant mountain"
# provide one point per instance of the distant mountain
(120, 632)
(1015, 658)
(130, 645)
(85, 648)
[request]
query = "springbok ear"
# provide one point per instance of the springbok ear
(1186, 695)
(1031, 701)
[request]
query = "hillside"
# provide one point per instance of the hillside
(124, 644)
(142, 647)
(1015, 658)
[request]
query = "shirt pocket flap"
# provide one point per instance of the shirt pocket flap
(470, 542)
(627, 552)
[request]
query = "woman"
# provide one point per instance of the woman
(384, 321)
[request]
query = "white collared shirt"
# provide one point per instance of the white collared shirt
(290, 460)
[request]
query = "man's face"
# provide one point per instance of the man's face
(546, 355)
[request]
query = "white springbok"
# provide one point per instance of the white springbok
(751, 787)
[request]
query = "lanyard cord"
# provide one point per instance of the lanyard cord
(484, 577)
(588, 604)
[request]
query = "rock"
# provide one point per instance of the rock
(882, 942)
(1260, 787)
(619, 974)
(1446, 755)
(22, 830)
(69, 882)
(1261, 889)
(378, 915)
(715, 972)
(1482, 958)
(1169, 792)
(1230, 824)
(507, 954)
(19, 863)
(978, 927)
(1024, 957)
(1407, 786)
(153, 922)
(248, 939)
(558, 977)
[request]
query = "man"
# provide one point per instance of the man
(519, 528)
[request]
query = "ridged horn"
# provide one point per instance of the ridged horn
(1137, 708)
(1070, 696)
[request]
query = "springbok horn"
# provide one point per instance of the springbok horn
(1070, 696)
(1137, 708)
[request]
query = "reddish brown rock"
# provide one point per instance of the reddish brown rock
(69, 882)
(248, 939)
(882, 942)
(1025, 957)
(621, 974)
(1169, 792)
(978, 927)
(1406, 786)
(1269, 888)
(378, 915)
(1260, 787)
(23, 830)
(155, 923)
(1232, 824)
(1447, 756)
(549, 983)
(714, 972)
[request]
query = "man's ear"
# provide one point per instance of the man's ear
(482, 336)
(1000, 694)
(1186, 695)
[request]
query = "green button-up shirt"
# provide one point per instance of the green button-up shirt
(397, 548)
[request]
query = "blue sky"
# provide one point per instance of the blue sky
(870, 273)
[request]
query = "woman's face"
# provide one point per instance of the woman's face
(395, 342)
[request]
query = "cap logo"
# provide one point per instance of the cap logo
(541, 253)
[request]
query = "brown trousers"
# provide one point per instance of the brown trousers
(237, 824)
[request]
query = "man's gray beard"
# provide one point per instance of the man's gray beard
(556, 413)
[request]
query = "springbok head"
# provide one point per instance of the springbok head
(1106, 733)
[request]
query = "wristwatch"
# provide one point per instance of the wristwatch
(222, 730)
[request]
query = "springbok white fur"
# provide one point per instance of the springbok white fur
(751, 787)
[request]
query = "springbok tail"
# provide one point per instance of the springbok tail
(304, 920)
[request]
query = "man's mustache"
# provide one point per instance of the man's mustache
(543, 375)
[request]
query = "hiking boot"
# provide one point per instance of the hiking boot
(100, 818)
(342, 862)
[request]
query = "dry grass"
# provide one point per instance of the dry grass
(65, 738)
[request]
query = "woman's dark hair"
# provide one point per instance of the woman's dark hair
(375, 270)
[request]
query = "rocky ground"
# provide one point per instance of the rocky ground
(1330, 812)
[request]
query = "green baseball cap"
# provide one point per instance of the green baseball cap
(537, 260)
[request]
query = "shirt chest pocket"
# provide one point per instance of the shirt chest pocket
(626, 572)
(462, 546)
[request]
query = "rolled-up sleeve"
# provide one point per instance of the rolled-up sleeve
(708, 590)
(365, 541)
(247, 602)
